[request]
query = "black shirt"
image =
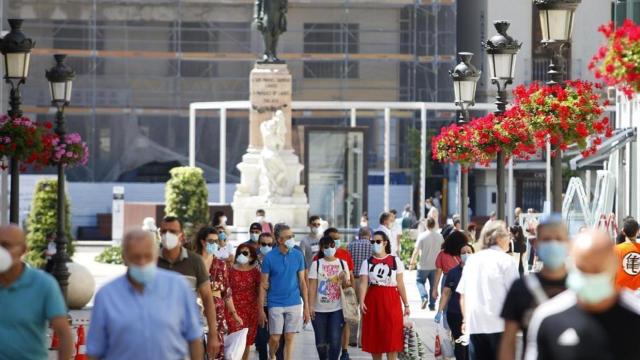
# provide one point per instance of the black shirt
(562, 330)
(520, 303)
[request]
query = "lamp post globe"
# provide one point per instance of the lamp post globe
(502, 50)
(60, 78)
(556, 19)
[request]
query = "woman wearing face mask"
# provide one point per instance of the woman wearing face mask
(207, 245)
(451, 301)
(225, 249)
(382, 295)
(326, 276)
(448, 258)
(244, 279)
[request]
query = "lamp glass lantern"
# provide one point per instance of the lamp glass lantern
(465, 78)
(60, 78)
(503, 51)
(16, 50)
(556, 19)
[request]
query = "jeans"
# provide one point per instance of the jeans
(328, 332)
(484, 346)
(455, 324)
(421, 279)
(262, 343)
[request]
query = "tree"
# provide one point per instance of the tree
(186, 197)
(41, 222)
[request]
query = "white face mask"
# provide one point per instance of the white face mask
(259, 219)
(5, 260)
(315, 230)
(170, 240)
(223, 220)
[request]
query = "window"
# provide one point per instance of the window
(194, 37)
(75, 34)
(331, 39)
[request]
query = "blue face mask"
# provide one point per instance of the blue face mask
(552, 253)
(222, 236)
(330, 252)
(212, 248)
(464, 257)
(290, 243)
(254, 237)
(143, 275)
(377, 248)
(338, 243)
(264, 250)
(591, 288)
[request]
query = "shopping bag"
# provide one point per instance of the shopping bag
(414, 347)
(437, 353)
(446, 343)
(350, 306)
(234, 344)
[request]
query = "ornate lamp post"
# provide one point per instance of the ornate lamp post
(60, 79)
(465, 77)
(502, 50)
(556, 22)
(16, 50)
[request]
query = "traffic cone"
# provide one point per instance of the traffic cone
(81, 348)
(55, 342)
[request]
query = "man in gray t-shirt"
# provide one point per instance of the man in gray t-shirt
(309, 244)
(428, 245)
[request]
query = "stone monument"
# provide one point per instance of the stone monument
(270, 170)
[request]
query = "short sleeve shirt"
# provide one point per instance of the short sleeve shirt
(283, 269)
(341, 254)
(328, 291)
(25, 307)
(451, 281)
(446, 262)
(382, 271)
(429, 243)
(628, 272)
(190, 265)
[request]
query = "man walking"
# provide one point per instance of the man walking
(148, 313)
(386, 226)
(190, 265)
(360, 250)
(428, 246)
(29, 298)
(309, 243)
(283, 271)
(628, 254)
(594, 319)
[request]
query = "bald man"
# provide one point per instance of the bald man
(148, 313)
(593, 319)
(28, 299)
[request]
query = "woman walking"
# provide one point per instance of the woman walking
(448, 258)
(326, 276)
(207, 245)
(244, 280)
(382, 295)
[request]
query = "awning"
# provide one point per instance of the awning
(619, 139)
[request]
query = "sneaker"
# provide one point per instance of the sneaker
(432, 308)
(424, 304)
(345, 355)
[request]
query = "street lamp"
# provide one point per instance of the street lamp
(16, 50)
(60, 78)
(556, 22)
(502, 50)
(465, 77)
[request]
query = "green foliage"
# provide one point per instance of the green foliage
(110, 255)
(186, 197)
(406, 247)
(41, 222)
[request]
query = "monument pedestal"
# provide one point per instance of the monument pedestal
(270, 87)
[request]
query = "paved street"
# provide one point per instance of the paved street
(305, 346)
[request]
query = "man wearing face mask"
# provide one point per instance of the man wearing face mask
(309, 243)
(261, 218)
(174, 257)
(552, 247)
(387, 222)
(130, 318)
(593, 319)
(283, 281)
(254, 236)
(29, 298)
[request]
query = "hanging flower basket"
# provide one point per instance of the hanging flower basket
(71, 151)
(22, 139)
(453, 145)
(565, 115)
(617, 62)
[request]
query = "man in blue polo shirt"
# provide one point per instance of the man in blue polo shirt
(283, 280)
(28, 299)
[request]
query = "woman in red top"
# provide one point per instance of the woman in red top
(244, 280)
(449, 257)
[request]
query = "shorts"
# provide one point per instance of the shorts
(287, 318)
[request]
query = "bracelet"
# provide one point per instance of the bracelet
(406, 306)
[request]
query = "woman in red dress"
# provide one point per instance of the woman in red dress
(244, 280)
(382, 291)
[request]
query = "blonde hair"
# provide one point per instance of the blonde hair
(495, 230)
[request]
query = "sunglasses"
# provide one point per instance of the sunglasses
(245, 253)
(375, 241)
(265, 244)
(211, 241)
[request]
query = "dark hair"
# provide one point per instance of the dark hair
(313, 218)
(431, 223)
(264, 235)
(260, 211)
(255, 226)
(454, 242)
(365, 215)
(630, 228)
(278, 229)
(393, 211)
(473, 251)
(472, 227)
(384, 217)
(252, 252)
(202, 235)
(456, 222)
(387, 248)
(329, 231)
(216, 218)
(325, 240)
(519, 240)
(171, 218)
(362, 231)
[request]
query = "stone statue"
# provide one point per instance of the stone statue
(273, 178)
(270, 18)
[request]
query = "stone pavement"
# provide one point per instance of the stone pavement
(305, 343)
